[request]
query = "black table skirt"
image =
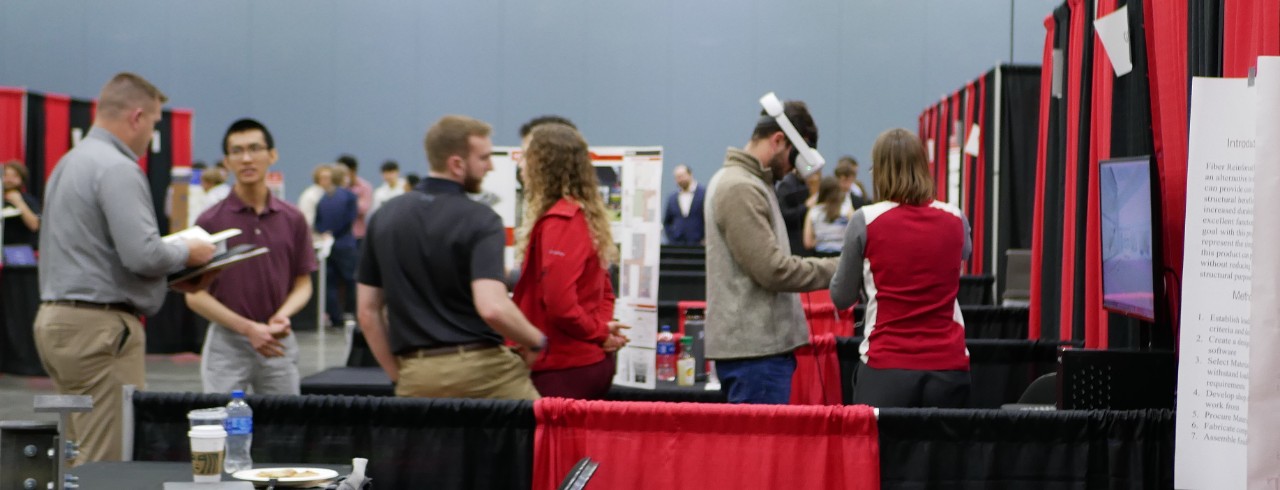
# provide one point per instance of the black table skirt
(409, 442)
(19, 302)
(932, 448)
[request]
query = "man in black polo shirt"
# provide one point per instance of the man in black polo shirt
(433, 258)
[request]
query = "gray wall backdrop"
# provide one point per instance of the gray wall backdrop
(368, 77)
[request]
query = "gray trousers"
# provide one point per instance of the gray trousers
(228, 362)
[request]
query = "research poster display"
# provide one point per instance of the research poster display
(631, 181)
(1264, 339)
(501, 191)
(1228, 391)
(1213, 373)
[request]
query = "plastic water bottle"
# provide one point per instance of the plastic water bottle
(666, 354)
(239, 427)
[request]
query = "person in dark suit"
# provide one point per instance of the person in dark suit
(683, 221)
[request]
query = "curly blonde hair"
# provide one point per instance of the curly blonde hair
(558, 165)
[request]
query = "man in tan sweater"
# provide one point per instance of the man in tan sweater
(754, 317)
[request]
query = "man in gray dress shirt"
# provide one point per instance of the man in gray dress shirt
(103, 263)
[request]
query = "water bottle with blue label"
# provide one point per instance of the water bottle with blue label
(239, 425)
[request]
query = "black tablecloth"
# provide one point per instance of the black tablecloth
(931, 448)
(367, 381)
(175, 328)
(1001, 369)
(148, 475)
(409, 442)
(19, 302)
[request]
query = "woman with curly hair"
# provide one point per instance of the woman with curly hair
(564, 285)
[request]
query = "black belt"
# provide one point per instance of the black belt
(75, 303)
(451, 349)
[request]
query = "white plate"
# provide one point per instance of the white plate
(321, 474)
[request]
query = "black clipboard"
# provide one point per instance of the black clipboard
(233, 255)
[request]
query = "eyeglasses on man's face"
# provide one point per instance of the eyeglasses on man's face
(240, 151)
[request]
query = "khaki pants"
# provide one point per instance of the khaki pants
(487, 373)
(92, 352)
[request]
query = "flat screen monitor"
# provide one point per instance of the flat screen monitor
(1128, 237)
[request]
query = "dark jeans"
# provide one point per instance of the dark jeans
(909, 388)
(765, 380)
(341, 273)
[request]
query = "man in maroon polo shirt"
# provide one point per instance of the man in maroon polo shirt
(250, 345)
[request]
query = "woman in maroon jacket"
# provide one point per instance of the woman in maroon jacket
(564, 284)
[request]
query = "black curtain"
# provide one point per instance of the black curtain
(175, 328)
(1085, 124)
(1019, 127)
(35, 144)
(926, 448)
(1204, 39)
(81, 119)
(1054, 194)
(409, 442)
(159, 169)
(1131, 135)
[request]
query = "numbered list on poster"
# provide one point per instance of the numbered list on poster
(1213, 372)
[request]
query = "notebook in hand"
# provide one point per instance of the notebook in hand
(233, 255)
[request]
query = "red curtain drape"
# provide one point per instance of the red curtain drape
(822, 316)
(180, 138)
(968, 174)
(57, 131)
(1074, 91)
(1042, 143)
(1165, 23)
(706, 446)
(980, 185)
(955, 129)
(946, 126)
(13, 117)
(1095, 317)
(1251, 28)
(817, 377)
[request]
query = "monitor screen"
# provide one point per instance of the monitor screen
(1127, 244)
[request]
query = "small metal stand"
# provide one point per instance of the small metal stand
(63, 450)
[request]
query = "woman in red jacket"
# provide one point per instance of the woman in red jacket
(564, 284)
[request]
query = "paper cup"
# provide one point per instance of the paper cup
(208, 445)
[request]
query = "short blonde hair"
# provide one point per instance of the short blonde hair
(125, 92)
(900, 171)
(323, 167)
(450, 136)
(340, 174)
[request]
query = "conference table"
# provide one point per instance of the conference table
(148, 475)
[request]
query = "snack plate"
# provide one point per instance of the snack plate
(320, 475)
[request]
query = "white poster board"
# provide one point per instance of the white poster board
(1213, 371)
(501, 187)
(631, 182)
(1264, 338)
